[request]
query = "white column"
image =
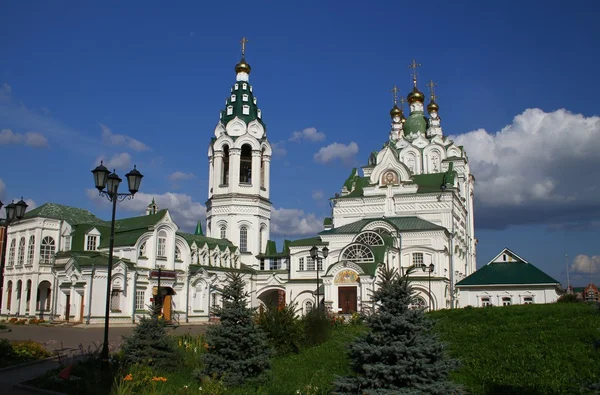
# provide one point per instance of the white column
(217, 175)
(211, 170)
(234, 169)
(267, 160)
(256, 157)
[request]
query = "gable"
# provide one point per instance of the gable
(506, 255)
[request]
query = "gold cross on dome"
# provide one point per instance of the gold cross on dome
(402, 101)
(431, 87)
(395, 92)
(243, 42)
(414, 66)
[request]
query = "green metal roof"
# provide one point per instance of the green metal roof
(71, 215)
(239, 103)
(90, 258)
(500, 273)
(209, 241)
(198, 230)
(308, 242)
(416, 122)
(271, 250)
(402, 224)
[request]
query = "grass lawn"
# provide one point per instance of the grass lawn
(534, 349)
(531, 349)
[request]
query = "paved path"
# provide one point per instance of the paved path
(88, 337)
(67, 338)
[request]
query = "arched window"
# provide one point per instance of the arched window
(177, 254)
(11, 252)
(21, 253)
(9, 295)
(142, 253)
(358, 253)
(223, 232)
(161, 246)
(417, 303)
(246, 164)
(243, 239)
(225, 167)
(308, 306)
(260, 240)
(46, 250)
(369, 238)
(31, 250)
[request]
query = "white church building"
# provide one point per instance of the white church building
(411, 205)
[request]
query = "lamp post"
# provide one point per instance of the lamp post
(158, 304)
(108, 186)
(429, 269)
(314, 254)
(14, 211)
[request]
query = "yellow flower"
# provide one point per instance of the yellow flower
(158, 378)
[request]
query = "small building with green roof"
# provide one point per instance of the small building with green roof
(506, 280)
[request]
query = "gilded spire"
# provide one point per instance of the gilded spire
(395, 111)
(414, 66)
(395, 90)
(242, 66)
(402, 101)
(432, 106)
(243, 41)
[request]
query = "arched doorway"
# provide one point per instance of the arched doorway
(347, 282)
(44, 295)
(272, 298)
(164, 298)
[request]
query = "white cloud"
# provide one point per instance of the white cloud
(317, 195)
(279, 148)
(185, 212)
(542, 168)
(585, 264)
(178, 176)
(293, 222)
(309, 134)
(343, 152)
(109, 138)
(30, 139)
(118, 161)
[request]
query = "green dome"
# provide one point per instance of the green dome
(416, 122)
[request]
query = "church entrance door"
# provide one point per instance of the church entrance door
(347, 299)
(167, 308)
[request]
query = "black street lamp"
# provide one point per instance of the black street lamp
(104, 179)
(314, 254)
(14, 211)
(429, 269)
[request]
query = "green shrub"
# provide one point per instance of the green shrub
(283, 328)
(6, 350)
(568, 298)
(317, 327)
(30, 350)
(151, 345)
(191, 347)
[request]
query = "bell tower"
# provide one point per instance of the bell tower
(239, 157)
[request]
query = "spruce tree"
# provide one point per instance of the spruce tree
(150, 344)
(400, 354)
(238, 350)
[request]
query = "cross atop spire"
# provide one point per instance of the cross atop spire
(395, 90)
(402, 101)
(243, 41)
(431, 87)
(414, 66)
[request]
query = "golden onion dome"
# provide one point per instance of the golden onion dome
(415, 95)
(432, 106)
(395, 111)
(242, 67)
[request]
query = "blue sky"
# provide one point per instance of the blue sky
(143, 82)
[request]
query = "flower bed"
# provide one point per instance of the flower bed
(21, 352)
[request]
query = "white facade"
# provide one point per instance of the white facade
(506, 280)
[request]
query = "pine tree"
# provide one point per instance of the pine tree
(150, 344)
(400, 354)
(238, 350)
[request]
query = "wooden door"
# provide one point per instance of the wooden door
(280, 300)
(81, 310)
(68, 308)
(347, 299)
(167, 308)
